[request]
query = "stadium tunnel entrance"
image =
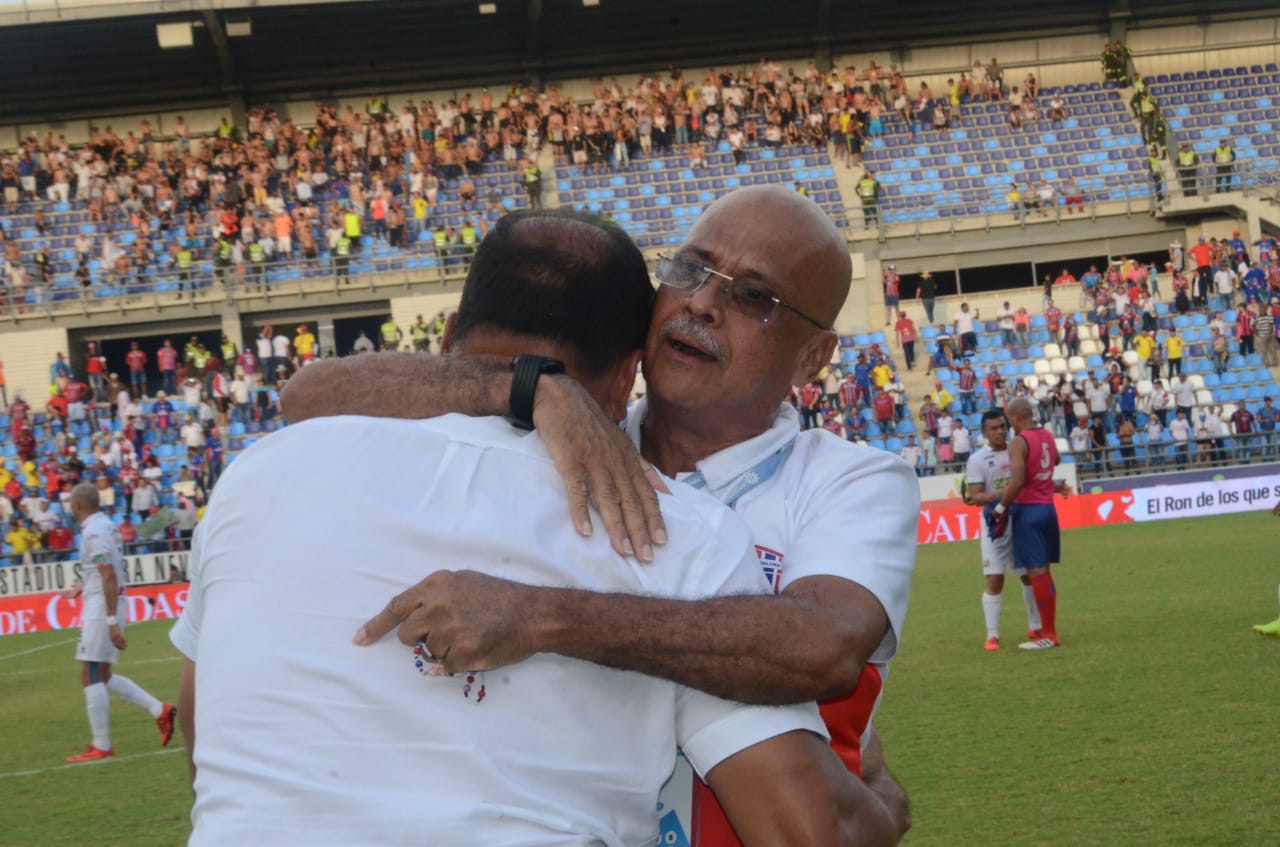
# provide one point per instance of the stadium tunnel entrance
(114, 341)
(336, 327)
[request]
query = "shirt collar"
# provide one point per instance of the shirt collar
(723, 468)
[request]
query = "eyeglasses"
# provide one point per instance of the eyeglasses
(745, 298)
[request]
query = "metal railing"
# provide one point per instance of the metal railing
(1165, 456)
(170, 287)
(986, 207)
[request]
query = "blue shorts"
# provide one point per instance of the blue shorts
(1036, 540)
(890, 300)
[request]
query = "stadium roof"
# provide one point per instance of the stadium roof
(103, 57)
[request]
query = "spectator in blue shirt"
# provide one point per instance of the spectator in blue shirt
(1267, 426)
(1128, 401)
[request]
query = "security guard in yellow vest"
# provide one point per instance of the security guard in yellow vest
(1223, 157)
(351, 227)
(390, 334)
(1147, 109)
(467, 237)
(869, 194)
(421, 335)
(1157, 175)
(533, 184)
(185, 260)
(258, 259)
(440, 240)
(229, 352)
(222, 258)
(1187, 163)
(342, 258)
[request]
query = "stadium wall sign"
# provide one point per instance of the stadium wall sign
(951, 520)
(43, 612)
(143, 569)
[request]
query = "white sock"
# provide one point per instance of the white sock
(129, 691)
(98, 705)
(1033, 611)
(991, 611)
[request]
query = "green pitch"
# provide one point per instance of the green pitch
(1155, 724)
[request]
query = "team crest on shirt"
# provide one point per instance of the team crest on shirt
(771, 564)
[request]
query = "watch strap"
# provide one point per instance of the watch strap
(526, 369)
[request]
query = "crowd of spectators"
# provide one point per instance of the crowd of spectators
(1141, 381)
(155, 442)
(855, 401)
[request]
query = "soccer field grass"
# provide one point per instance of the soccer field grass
(1155, 724)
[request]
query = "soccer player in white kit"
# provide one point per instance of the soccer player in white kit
(101, 631)
(985, 477)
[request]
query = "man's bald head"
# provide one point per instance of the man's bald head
(1019, 410)
(84, 501)
(815, 243)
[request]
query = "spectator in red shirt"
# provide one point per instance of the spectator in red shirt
(811, 405)
(1064, 278)
(58, 542)
(136, 361)
(14, 492)
(128, 531)
(883, 406)
(906, 332)
(96, 368)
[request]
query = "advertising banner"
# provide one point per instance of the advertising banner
(43, 612)
(143, 569)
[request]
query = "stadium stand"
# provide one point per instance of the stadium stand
(967, 169)
(1235, 103)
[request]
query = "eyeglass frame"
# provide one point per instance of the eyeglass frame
(709, 272)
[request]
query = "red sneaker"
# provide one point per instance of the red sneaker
(90, 754)
(992, 644)
(168, 716)
(1035, 634)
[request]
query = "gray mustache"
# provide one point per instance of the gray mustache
(694, 330)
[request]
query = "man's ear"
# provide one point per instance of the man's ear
(621, 383)
(815, 357)
(446, 340)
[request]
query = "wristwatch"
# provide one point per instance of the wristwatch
(524, 382)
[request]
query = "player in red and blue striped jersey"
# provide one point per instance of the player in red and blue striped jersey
(1028, 504)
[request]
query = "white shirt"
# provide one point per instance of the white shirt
(191, 394)
(264, 345)
(964, 322)
(989, 468)
(280, 346)
(99, 544)
(1160, 398)
(1179, 429)
(1154, 430)
(911, 455)
(790, 513)
(1184, 393)
(1005, 317)
(317, 742)
(193, 435)
(945, 422)
(1080, 438)
(1224, 281)
(960, 442)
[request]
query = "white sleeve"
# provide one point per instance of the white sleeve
(185, 634)
(710, 730)
(973, 469)
(875, 547)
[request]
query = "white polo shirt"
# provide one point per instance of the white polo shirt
(305, 739)
(832, 508)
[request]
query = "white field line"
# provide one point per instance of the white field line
(39, 771)
(36, 649)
